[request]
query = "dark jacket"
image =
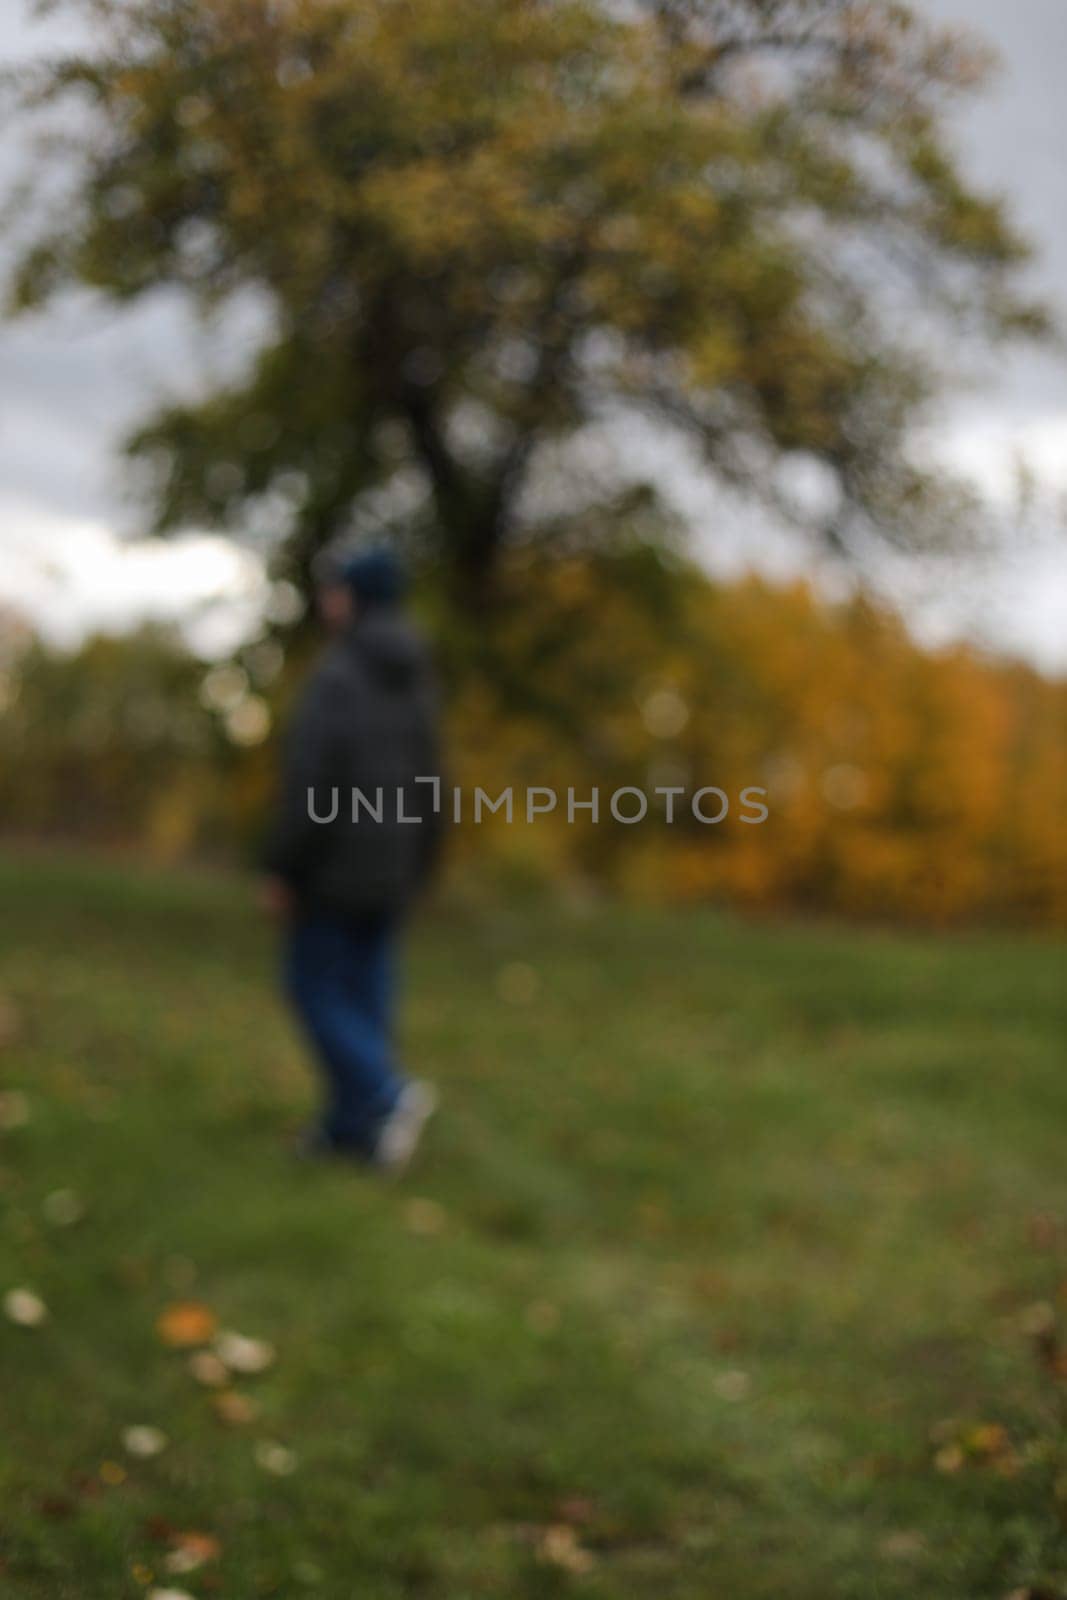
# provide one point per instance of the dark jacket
(367, 721)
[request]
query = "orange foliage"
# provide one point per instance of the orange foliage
(901, 782)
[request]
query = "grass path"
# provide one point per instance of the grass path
(732, 1267)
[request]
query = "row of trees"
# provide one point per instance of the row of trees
(900, 783)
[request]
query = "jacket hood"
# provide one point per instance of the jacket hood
(388, 646)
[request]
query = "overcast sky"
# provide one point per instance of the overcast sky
(72, 381)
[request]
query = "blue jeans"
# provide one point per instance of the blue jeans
(339, 974)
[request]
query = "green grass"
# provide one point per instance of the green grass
(740, 1226)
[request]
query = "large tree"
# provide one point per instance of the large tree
(480, 226)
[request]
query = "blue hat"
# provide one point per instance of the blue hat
(375, 576)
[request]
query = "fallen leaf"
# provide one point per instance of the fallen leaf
(144, 1441)
(242, 1354)
(275, 1458)
(987, 1439)
(233, 1408)
(207, 1369)
(949, 1458)
(190, 1550)
(112, 1474)
(25, 1308)
(560, 1546)
(186, 1322)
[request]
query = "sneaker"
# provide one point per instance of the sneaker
(401, 1131)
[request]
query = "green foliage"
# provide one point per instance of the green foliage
(728, 1254)
(110, 742)
(480, 225)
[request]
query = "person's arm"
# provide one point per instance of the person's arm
(432, 821)
(308, 773)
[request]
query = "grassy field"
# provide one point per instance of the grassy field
(731, 1266)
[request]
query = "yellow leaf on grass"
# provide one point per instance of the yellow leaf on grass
(561, 1547)
(949, 1458)
(186, 1322)
(987, 1439)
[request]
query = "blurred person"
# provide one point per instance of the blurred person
(342, 877)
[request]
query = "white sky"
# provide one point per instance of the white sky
(73, 380)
